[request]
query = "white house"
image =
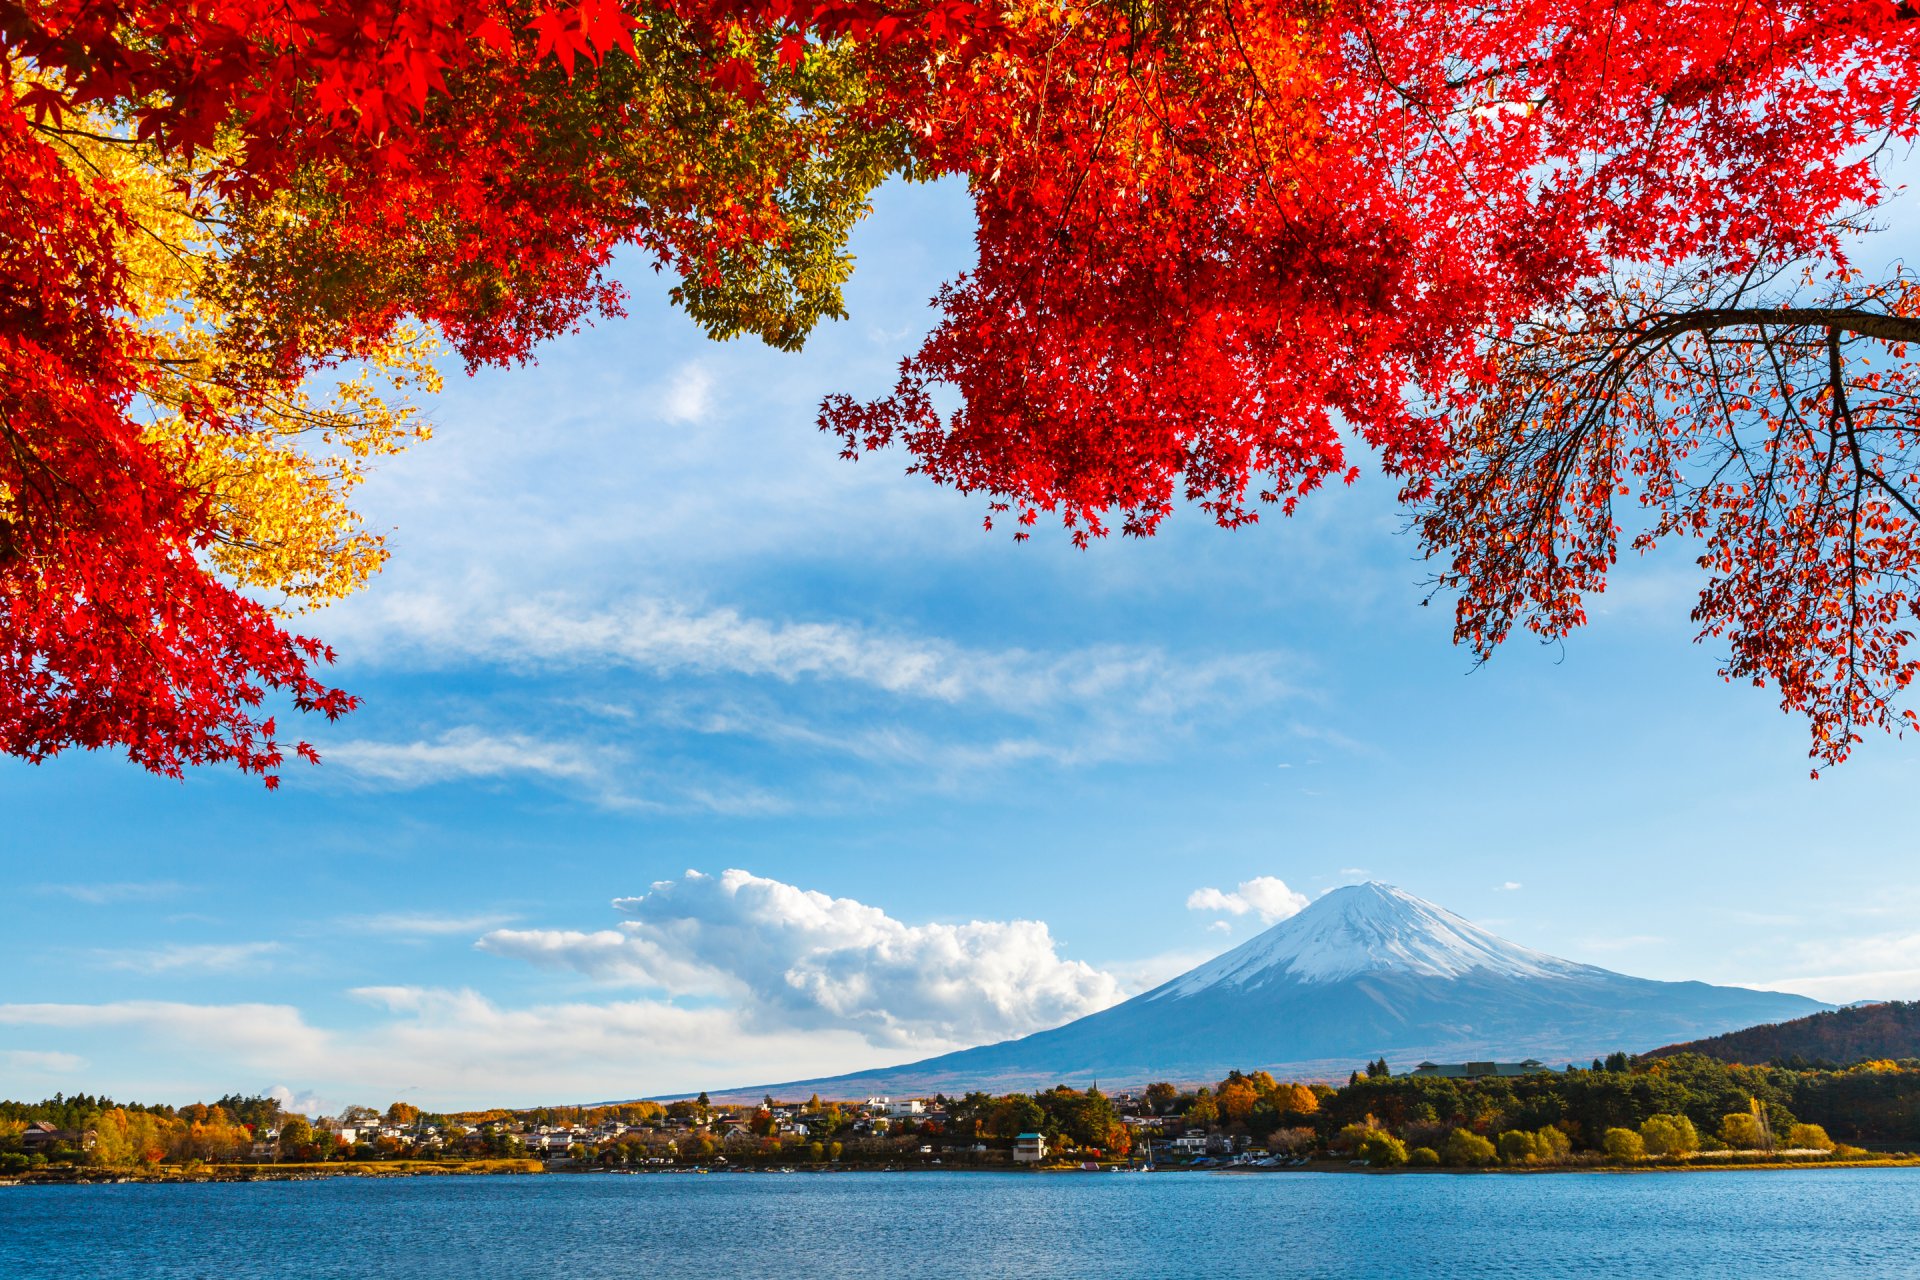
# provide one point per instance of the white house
(1029, 1148)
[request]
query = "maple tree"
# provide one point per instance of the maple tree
(1517, 250)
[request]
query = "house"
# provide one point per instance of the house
(1478, 1070)
(40, 1136)
(1029, 1148)
(905, 1109)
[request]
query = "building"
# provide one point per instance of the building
(1029, 1148)
(41, 1136)
(1478, 1070)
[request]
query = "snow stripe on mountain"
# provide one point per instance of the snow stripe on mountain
(1370, 928)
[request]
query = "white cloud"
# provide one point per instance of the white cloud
(423, 924)
(803, 959)
(1507, 886)
(100, 895)
(308, 1104)
(689, 396)
(33, 1062)
(1875, 967)
(445, 1049)
(670, 637)
(246, 1031)
(211, 957)
(463, 753)
(1148, 972)
(1267, 896)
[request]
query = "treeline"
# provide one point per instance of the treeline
(1888, 1031)
(1617, 1108)
(624, 1113)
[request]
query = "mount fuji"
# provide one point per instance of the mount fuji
(1366, 971)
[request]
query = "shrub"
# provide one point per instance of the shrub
(1467, 1149)
(12, 1162)
(1351, 1136)
(1423, 1157)
(1669, 1135)
(1809, 1136)
(1518, 1147)
(1382, 1150)
(1553, 1145)
(1740, 1130)
(1623, 1145)
(1291, 1142)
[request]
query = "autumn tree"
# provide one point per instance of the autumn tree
(1226, 252)
(1622, 1145)
(1669, 1135)
(1468, 1149)
(1768, 416)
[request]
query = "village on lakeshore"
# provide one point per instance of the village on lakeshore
(1677, 1110)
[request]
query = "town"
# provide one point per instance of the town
(1682, 1109)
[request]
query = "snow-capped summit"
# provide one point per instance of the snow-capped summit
(1365, 972)
(1367, 928)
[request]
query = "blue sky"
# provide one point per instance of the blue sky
(642, 621)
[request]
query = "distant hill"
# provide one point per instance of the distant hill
(1366, 971)
(1858, 1033)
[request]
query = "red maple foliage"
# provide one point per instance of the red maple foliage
(1218, 241)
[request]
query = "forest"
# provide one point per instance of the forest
(1858, 1034)
(1617, 1110)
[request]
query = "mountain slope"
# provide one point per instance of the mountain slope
(1841, 1037)
(1367, 970)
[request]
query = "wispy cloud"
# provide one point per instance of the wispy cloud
(689, 394)
(465, 754)
(211, 957)
(929, 712)
(424, 924)
(1882, 966)
(667, 637)
(116, 891)
(451, 1048)
(1506, 886)
(35, 1062)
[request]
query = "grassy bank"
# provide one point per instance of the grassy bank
(279, 1172)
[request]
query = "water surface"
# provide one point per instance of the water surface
(865, 1226)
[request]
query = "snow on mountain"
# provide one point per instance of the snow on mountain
(1366, 971)
(1365, 928)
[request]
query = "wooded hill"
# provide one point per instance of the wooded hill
(1835, 1039)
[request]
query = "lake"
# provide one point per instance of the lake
(864, 1226)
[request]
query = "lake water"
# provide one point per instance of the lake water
(864, 1226)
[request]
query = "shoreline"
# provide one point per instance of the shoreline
(534, 1168)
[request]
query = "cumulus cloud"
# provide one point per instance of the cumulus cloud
(1507, 886)
(1265, 896)
(802, 959)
